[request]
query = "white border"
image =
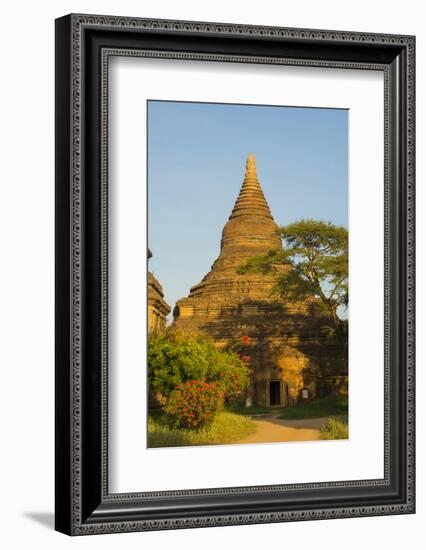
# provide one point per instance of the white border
(132, 467)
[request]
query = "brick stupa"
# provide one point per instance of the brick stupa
(158, 308)
(287, 351)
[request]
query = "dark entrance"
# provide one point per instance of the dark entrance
(275, 392)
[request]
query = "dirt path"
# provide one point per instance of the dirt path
(271, 430)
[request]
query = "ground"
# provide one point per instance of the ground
(322, 418)
(271, 429)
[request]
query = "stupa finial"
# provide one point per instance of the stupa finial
(251, 166)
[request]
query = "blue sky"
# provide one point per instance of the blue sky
(196, 162)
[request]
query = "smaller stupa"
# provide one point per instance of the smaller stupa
(158, 308)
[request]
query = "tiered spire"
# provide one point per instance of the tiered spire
(250, 231)
(251, 199)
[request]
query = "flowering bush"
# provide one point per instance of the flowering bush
(194, 403)
(194, 378)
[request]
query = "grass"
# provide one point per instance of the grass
(336, 428)
(226, 428)
(332, 405)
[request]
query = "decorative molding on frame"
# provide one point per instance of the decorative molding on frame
(266, 32)
(240, 519)
(78, 22)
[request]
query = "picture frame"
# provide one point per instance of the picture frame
(84, 504)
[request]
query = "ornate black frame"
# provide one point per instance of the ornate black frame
(83, 45)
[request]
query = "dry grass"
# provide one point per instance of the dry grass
(225, 428)
(336, 428)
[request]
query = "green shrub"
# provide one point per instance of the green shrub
(335, 428)
(174, 359)
(193, 404)
(225, 428)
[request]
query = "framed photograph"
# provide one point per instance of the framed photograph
(234, 274)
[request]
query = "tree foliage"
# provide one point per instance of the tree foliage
(312, 264)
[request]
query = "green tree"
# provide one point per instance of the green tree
(175, 358)
(312, 264)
